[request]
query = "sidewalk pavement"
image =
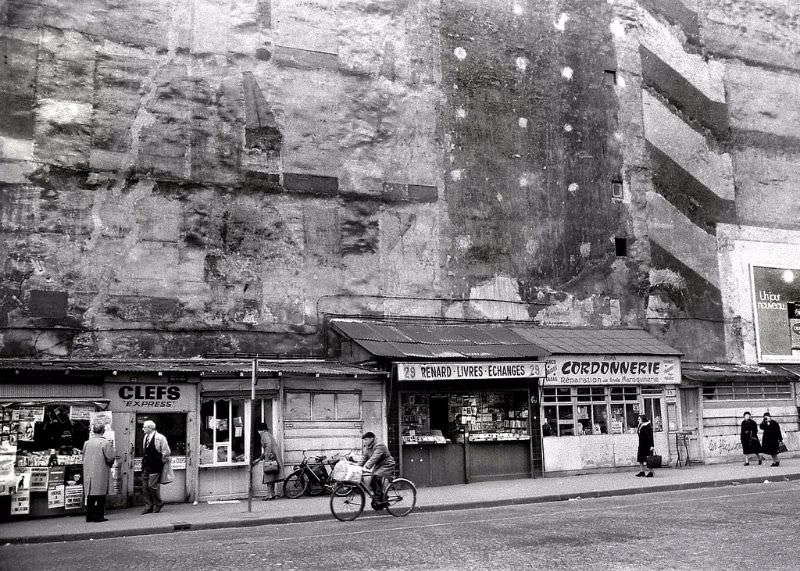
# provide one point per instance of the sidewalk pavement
(181, 517)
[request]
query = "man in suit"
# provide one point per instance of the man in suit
(156, 454)
(98, 456)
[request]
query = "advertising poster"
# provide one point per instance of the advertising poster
(23, 478)
(8, 456)
(776, 305)
(55, 497)
(73, 474)
(25, 430)
(73, 497)
(39, 477)
(34, 413)
(80, 412)
(21, 502)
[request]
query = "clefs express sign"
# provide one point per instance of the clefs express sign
(148, 397)
(612, 370)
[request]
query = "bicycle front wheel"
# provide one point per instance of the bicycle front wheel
(347, 506)
(401, 495)
(295, 485)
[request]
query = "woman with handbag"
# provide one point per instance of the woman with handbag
(271, 469)
(750, 443)
(646, 445)
(772, 440)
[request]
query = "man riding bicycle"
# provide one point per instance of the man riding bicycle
(378, 459)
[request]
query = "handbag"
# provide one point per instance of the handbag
(271, 466)
(654, 461)
(782, 447)
(167, 475)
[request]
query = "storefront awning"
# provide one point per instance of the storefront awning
(486, 340)
(732, 372)
(794, 370)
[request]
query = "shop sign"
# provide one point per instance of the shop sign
(472, 370)
(612, 370)
(776, 303)
(141, 397)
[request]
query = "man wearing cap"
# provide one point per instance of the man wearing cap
(377, 458)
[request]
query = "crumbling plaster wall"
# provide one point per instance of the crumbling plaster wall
(193, 176)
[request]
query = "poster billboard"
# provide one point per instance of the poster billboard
(776, 311)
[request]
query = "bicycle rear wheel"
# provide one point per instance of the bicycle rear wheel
(295, 485)
(401, 497)
(347, 506)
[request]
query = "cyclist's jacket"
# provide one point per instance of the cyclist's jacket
(378, 459)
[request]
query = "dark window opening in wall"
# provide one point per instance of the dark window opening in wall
(616, 191)
(621, 246)
(609, 77)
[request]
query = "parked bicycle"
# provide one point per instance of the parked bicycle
(349, 496)
(312, 476)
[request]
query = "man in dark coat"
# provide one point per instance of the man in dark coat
(750, 443)
(376, 457)
(772, 439)
(98, 456)
(646, 445)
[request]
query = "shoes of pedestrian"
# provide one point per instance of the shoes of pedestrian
(650, 474)
(147, 511)
(640, 475)
(775, 464)
(268, 498)
(748, 463)
(101, 520)
(760, 461)
(157, 509)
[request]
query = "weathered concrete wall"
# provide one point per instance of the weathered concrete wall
(189, 177)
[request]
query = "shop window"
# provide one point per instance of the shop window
(569, 411)
(322, 406)
(747, 391)
(652, 410)
(222, 436)
(453, 416)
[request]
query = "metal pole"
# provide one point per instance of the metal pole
(253, 378)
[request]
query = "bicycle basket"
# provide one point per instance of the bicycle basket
(345, 471)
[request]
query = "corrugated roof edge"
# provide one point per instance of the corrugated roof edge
(199, 366)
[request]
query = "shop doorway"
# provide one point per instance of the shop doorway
(690, 421)
(173, 426)
(439, 415)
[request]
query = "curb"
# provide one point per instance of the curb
(254, 522)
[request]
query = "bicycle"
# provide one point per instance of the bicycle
(348, 498)
(309, 477)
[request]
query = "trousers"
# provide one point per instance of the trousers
(95, 508)
(151, 488)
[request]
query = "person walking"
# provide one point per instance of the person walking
(646, 445)
(98, 456)
(772, 439)
(750, 443)
(156, 454)
(269, 452)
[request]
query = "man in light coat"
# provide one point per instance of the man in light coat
(156, 454)
(98, 456)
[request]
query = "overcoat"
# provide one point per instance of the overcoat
(750, 443)
(772, 436)
(269, 451)
(98, 456)
(646, 442)
(378, 459)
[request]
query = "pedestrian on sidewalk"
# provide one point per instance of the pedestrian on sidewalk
(271, 474)
(98, 456)
(750, 443)
(156, 454)
(772, 439)
(646, 445)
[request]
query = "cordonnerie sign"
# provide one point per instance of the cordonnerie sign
(612, 370)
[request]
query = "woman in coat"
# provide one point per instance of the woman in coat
(98, 456)
(772, 438)
(750, 443)
(646, 445)
(269, 451)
